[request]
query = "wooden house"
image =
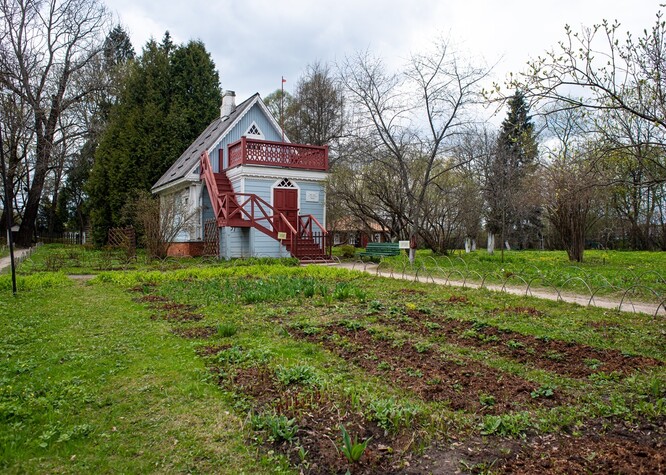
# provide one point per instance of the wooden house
(247, 191)
(356, 232)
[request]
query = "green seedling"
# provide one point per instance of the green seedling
(353, 450)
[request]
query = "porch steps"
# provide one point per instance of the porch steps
(307, 250)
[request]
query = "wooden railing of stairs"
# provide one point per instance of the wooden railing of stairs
(308, 242)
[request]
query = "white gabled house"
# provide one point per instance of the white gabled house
(250, 193)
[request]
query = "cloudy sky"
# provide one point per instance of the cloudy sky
(255, 42)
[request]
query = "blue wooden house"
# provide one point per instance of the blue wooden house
(246, 191)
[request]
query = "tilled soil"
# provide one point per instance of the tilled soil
(193, 333)
(601, 447)
(561, 357)
(465, 384)
(319, 417)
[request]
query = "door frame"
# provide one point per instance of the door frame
(294, 186)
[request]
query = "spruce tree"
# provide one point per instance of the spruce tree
(169, 97)
(512, 212)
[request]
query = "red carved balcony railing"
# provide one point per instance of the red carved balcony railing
(278, 154)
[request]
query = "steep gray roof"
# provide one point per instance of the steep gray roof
(207, 139)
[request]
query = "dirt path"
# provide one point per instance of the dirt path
(626, 306)
(19, 256)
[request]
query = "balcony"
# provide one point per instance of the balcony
(277, 154)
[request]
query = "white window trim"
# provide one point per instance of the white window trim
(259, 136)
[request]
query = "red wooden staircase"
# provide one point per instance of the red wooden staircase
(308, 242)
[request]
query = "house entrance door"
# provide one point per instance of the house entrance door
(285, 200)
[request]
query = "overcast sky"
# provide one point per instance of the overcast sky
(255, 42)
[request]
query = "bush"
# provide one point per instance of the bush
(347, 250)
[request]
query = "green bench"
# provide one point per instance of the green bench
(381, 249)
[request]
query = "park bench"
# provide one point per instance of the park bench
(381, 249)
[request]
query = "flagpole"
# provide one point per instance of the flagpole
(282, 108)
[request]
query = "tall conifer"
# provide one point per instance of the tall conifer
(171, 94)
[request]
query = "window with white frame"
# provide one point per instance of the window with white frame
(254, 132)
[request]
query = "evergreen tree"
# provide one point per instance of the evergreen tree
(512, 212)
(169, 97)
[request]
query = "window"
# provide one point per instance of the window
(254, 132)
(285, 183)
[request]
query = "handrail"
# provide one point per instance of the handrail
(261, 215)
(256, 203)
(206, 171)
(305, 225)
(279, 154)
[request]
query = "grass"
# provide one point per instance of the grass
(91, 384)
(93, 381)
(602, 272)
(75, 259)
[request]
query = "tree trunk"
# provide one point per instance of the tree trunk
(28, 224)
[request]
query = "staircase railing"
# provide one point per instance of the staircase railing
(306, 223)
(248, 209)
(311, 232)
(206, 172)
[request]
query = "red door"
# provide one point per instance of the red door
(285, 201)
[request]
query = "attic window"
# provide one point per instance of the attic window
(254, 131)
(285, 183)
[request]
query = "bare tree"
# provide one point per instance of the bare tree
(161, 220)
(598, 70)
(17, 137)
(320, 105)
(573, 181)
(407, 120)
(45, 47)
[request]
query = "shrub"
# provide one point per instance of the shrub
(347, 250)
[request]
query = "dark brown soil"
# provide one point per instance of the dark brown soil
(566, 358)
(466, 384)
(318, 417)
(193, 333)
(150, 298)
(212, 350)
(178, 316)
(622, 449)
(619, 448)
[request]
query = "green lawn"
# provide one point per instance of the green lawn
(90, 384)
(254, 369)
(602, 272)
